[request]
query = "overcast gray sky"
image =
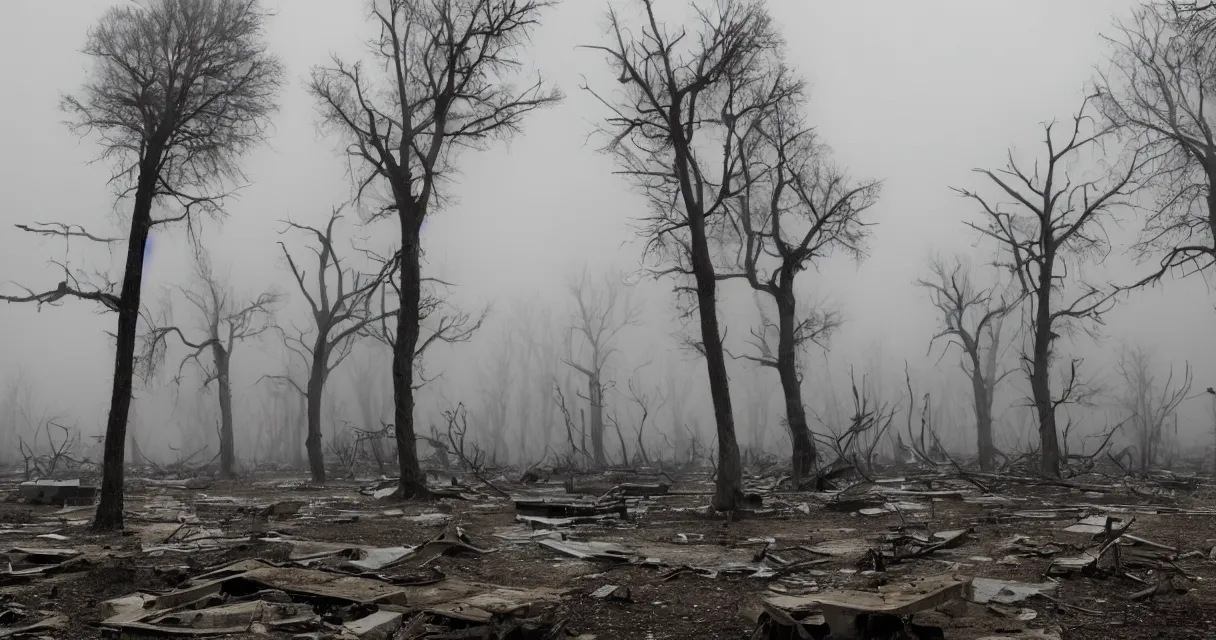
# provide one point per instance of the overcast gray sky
(913, 93)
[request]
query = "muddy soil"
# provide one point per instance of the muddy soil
(662, 604)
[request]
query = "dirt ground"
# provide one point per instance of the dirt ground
(664, 602)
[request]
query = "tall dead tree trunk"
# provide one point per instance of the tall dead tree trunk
(678, 90)
(803, 455)
(341, 311)
(109, 508)
(313, 394)
(225, 326)
(179, 92)
(445, 64)
(224, 390)
(794, 208)
(412, 479)
(601, 312)
(1042, 335)
(972, 317)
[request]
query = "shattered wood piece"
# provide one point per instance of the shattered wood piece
(308, 550)
(985, 590)
(25, 562)
(224, 617)
(632, 489)
(347, 556)
(1014, 613)
(988, 499)
(559, 508)
(129, 608)
(1094, 525)
(1073, 564)
(495, 603)
(951, 539)
(1163, 586)
(377, 626)
(284, 509)
(1140, 541)
(592, 550)
(845, 547)
(1045, 514)
(430, 517)
(840, 609)
(777, 616)
(905, 493)
(374, 559)
(307, 582)
(442, 546)
(541, 522)
(58, 492)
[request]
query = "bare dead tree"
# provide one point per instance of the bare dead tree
(559, 399)
(1158, 92)
(444, 87)
(470, 454)
(179, 92)
(601, 311)
(59, 453)
(341, 308)
(794, 208)
(972, 319)
(854, 445)
(1148, 402)
(1052, 221)
(671, 128)
(496, 381)
(225, 323)
(646, 404)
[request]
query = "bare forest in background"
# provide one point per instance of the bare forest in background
(742, 203)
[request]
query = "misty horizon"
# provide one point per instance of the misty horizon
(913, 96)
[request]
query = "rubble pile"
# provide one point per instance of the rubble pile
(946, 554)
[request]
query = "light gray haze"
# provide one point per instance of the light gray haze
(916, 94)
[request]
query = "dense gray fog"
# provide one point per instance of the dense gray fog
(912, 94)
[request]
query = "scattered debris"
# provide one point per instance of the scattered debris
(57, 492)
(848, 613)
